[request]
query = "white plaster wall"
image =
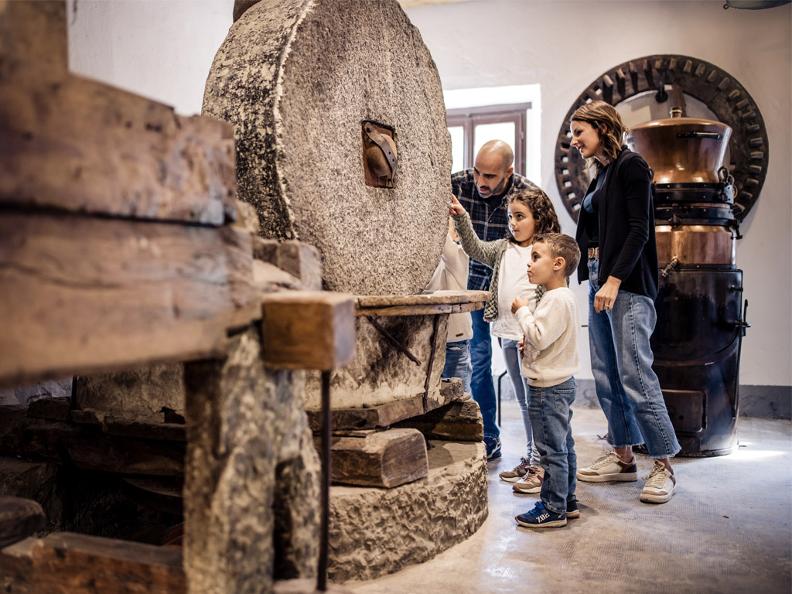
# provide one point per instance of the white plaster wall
(564, 45)
(163, 49)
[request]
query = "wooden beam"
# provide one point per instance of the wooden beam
(70, 563)
(307, 330)
(382, 415)
(388, 413)
(438, 302)
(80, 295)
(379, 459)
(458, 421)
(419, 310)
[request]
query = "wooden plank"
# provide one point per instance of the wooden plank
(382, 415)
(419, 310)
(380, 459)
(458, 421)
(79, 564)
(77, 144)
(307, 329)
(134, 457)
(107, 151)
(19, 518)
(433, 298)
(80, 295)
(388, 413)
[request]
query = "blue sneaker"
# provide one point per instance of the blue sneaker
(541, 517)
(572, 509)
(493, 446)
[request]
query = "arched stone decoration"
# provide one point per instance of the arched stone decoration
(714, 87)
(297, 79)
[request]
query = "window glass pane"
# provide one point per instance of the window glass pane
(457, 148)
(501, 131)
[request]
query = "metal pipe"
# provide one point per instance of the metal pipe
(321, 580)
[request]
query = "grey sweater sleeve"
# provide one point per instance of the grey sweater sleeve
(486, 252)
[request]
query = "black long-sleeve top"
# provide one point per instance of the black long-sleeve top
(625, 220)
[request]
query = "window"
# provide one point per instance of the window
(471, 127)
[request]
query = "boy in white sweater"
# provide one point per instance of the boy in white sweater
(549, 362)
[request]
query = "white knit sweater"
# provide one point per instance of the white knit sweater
(550, 355)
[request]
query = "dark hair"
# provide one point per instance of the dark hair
(561, 246)
(604, 118)
(541, 208)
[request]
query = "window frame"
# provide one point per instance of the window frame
(469, 117)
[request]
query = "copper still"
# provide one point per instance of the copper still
(700, 311)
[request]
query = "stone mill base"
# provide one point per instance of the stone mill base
(376, 531)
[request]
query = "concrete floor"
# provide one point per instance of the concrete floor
(727, 529)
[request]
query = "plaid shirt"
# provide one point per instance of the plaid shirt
(488, 215)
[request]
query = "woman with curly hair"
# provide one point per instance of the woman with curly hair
(616, 237)
(530, 212)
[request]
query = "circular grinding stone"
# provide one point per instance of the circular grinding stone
(297, 78)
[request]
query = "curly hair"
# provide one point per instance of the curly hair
(608, 124)
(541, 208)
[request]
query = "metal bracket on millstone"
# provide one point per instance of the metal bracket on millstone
(379, 154)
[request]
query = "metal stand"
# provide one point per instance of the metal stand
(321, 579)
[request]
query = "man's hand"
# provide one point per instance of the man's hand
(521, 345)
(606, 296)
(518, 303)
(455, 207)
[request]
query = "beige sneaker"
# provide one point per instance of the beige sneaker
(531, 482)
(516, 473)
(607, 469)
(660, 485)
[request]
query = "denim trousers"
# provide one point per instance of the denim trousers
(511, 354)
(621, 361)
(457, 363)
(551, 418)
(481, 380)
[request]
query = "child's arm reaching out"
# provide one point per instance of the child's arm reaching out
(485, 252)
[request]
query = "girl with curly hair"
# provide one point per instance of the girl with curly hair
(530, 212)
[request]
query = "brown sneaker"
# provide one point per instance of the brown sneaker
(516, 473)
(531, 482)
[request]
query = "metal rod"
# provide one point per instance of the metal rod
(391, 339)
(321, 580)
(430, 365)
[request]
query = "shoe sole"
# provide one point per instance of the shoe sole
(531, 491)
(622, 477)
(553, 524)
(573, 515)
(649, 498)
(510, 480)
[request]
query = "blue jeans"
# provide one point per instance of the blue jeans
(621, 360)
(457, 363)
(551, 417)
(481, 380)
(511, 354)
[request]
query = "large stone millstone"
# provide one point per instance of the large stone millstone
(297, 78)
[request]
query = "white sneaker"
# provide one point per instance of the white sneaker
(660, 485)
(608, 468)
